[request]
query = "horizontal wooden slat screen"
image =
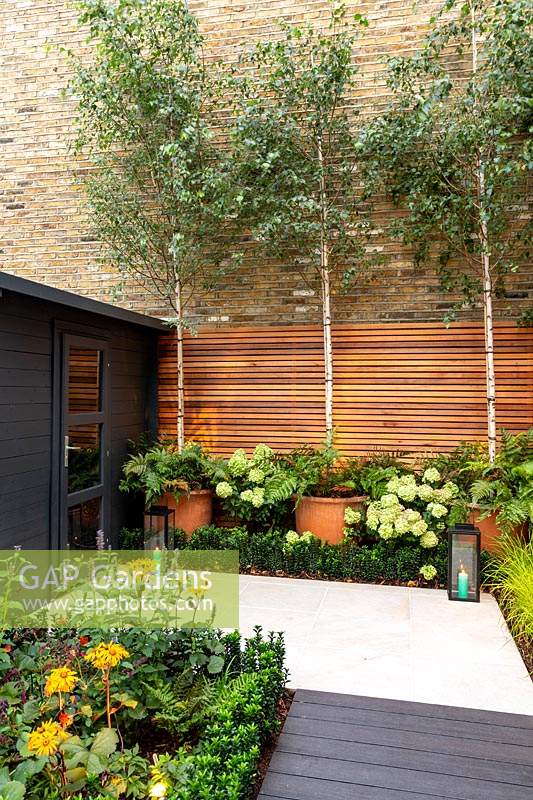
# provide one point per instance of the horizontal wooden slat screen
(416, 387)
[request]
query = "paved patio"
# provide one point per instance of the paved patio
(392, 642)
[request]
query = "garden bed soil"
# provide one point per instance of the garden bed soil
(525, 646)
(156, 741)
(262, 768)
(524, 643)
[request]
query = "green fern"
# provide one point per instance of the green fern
(185, 709)
(280, 487)
(482, 490)
(182, 709)
(506, 486)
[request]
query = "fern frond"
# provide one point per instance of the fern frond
(482, 490)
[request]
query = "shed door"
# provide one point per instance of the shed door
(84, 445)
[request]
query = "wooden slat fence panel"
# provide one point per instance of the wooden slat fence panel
(416, 387)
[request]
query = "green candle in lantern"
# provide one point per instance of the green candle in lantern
(462, 584)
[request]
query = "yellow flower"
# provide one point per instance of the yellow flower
(45, 740)
(62, 679)
(104, 656)
(158, 790)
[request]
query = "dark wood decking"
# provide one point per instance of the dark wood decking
(339, 747)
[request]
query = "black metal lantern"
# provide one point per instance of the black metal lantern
(463, 563)
(158, 522)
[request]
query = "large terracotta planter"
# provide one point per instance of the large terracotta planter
(192, 511)
(488, 527)
(324, 516)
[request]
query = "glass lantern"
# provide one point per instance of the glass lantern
(463, 563)
(158, 522)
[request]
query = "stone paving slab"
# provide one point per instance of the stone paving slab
(391, 642)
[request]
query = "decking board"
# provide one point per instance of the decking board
(341, 747)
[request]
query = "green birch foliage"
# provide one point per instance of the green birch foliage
(292, 99)
(159, 194)
(444, 122)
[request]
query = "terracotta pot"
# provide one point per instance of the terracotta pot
(490, 533)
(192, 511)
(324, 516)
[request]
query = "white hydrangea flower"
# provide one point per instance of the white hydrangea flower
(372, 515)
(413, 515)
(247, 495)
(407, 480)
(429, 539)
(351, 516)
(308, 537)
(372, 519)
(390, 515)
(426, 492)
(256, 475)
(386, 531)
(407, 492)
(431, 475)
(402, 525)
(419, 528)
(447, 493)
(258, 496)
(437, 510)
(292, 537)
(428, 572)
(238, 463)
(224, 489)
(262, 453)
(389, 500)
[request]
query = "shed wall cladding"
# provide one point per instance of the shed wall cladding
(26, 361)
(418, 387)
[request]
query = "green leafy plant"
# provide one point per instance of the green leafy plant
(183, 708)
(416, 510)
(159, 192)
(320, 472)
(453, 151)
(197, 684)
(225, 764)
(505, 487)
(510, 575)
(463, 465)
(296, 153)
(256, 489)
(165, 468)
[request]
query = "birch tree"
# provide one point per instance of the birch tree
(295, 140)
(454, 153)
(159, 195)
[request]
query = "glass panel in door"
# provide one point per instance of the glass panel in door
(84, 522)
(83, 508)
(84, 456)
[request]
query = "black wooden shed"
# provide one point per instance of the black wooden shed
(78, 378)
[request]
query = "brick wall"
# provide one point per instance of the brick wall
(46, 236)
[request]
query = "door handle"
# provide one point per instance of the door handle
(67, 448)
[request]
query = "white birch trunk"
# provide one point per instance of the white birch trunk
(328, 348)
(325, 285)
(486, 280)
(489, 355)
(180, 417)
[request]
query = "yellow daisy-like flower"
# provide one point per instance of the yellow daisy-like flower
(106, 655)
(45, 740)
(62, 679)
